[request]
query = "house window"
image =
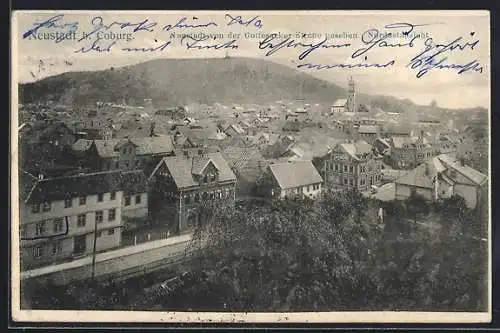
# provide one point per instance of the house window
(112, 214)
(58, 225)
(68, 203)
(81, 220)
(351, 169)
(98, 234)
(127, 200)
(117, 165)
(351, 182)
(345, 181)
(35, 208)
(187, 199)
(126, 164)
(99, 216)
(112, 196)
(137, 199)
(308, 188)
(38, 252)
(100, 197)
(345, 168)
(83, 200)
(40, 228)
(56, 247)
(196, 197)
(336, 167)
(111, 231)
(46, 206)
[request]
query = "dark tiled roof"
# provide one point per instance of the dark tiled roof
(180, 167)
(60, 188)
(43, 131)
(423, 175)
(159, 144)
(247, 163)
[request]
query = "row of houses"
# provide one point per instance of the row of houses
(72, 216)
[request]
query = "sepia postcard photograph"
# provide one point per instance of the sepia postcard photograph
(250, 166)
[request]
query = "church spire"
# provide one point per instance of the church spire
(351, 97)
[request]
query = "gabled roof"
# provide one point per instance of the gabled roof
(236, 127)
(356, 149)
(181, 168)
(294, 174)
(158, 144)
(123, 142)
(368, 129)
(246, 162)
(81, 145)
(199, 164)
(60, 188)
(26, 183)
(473, 175)
(400, 141)
(423, 175)
(339, 102)
(384, 141)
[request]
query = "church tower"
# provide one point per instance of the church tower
(351, 97)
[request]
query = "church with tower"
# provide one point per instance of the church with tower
(346, 104)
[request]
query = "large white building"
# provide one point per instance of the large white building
(59, 216)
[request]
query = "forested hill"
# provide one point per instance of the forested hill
(206, 81)
(184, 81)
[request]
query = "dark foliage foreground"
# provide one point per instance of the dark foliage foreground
(300, 255)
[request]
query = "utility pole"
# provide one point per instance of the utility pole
(94, 250)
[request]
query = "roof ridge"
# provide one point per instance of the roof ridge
(81, 175)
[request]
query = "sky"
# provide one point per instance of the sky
(39, 55)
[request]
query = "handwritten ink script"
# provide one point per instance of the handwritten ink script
(393, 45)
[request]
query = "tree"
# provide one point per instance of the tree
(416, 205)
